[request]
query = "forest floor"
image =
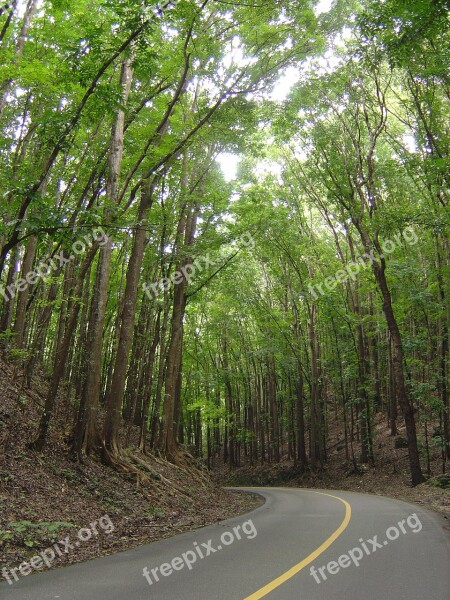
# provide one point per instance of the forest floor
(389, 476)
(45, 497)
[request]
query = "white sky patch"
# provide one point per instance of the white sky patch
(284, 85)
(299, 151)
(228, 163)
(268, 167)
(321, 65)
(329, 61)
(22, 4)
(347, 33)
(410, 142)
(234, 55)
(323, 6)
(170, 32)
(228, 218)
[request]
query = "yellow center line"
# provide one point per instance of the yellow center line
(301, 565)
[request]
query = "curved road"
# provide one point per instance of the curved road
(301, 544)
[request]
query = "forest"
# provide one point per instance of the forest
(225, 228)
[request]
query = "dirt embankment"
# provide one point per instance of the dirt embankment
(46, 497)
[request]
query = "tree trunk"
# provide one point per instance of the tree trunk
(273, 409)
(127, 324)
(314, 427)
(61, 357)
(300, 418)
(26, 23)
(21, 307)
(148, 386)
(397, 363)
(86, 435)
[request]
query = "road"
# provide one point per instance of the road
(300, 545)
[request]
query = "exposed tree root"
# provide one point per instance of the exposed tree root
(186, 464)
(167, 483)
(145, 474)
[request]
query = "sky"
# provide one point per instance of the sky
(228, 161)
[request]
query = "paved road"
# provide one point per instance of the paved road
(302, 545)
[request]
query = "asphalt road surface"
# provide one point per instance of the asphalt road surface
(300, 545)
